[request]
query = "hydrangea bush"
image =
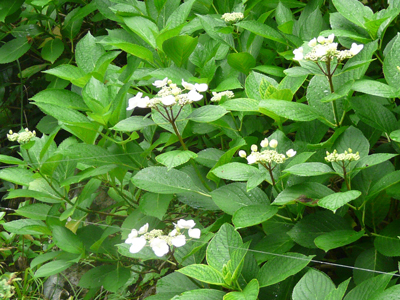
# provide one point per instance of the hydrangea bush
(219, 150)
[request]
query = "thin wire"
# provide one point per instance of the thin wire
(232, 247)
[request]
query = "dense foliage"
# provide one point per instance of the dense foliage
(202, 149)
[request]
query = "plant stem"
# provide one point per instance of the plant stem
(329, 75)
(348, 184)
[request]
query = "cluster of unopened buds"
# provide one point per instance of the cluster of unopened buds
(346, 156)
(324, 49)
(232, 17)
(158, 241)
(266, 156)
(169, 95)
(22, 137)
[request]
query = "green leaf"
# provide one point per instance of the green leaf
(10, 160)
(290, 110)
(301, 192)
(241, 104)
(252, 215)
(179, 48)
(370, 260)
(66, 240)
(205, 294)
(375, 114)
(374, 159)
(53, 267)
(207, 113)
(87, 53)
(391, 293)
(232, 197)
(17, 175)
(155, 205)
(311, 226)
(175, 158)
(337, 200)
(133, 123)
(271, 70)
(41, 196)
(314, 285)
(132, 49)
(95, 277)
(274, 243)
(354, 11)
(160, 180)
(67, 72)
(8, 8)
(336, 239)
(61, 98)
(387, 242)
(27, 226)
(368, 287)
(203, 273)
(209, 157)
(222, 247)
(13, 50)
(116, 279)
(52, 50)
(250, 292)
(281, 267)
(37, 211)
(262, 30)
(236, 171)
(242, 61)
(392, 60)
(384, 183)
(310, 169)
(376, 88)
(144, 28)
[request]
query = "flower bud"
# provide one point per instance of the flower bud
(290, 153)
(254, 148)
(242, 153)
(264, 143)
(273, 143)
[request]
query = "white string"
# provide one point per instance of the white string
(232, 247)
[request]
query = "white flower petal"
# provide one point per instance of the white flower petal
(330, 38)
(242, 153)
(173, 232)
(131, 236)
(321, 39)
(194, 233)
(138, 101)
(161, 83)
(355, 49)
(313, 42)
(193, 95)
(251, 159)
(254, 148)
(159, 246)
(169, 100)
(298, 53)
(137, 244)
(290, 153)
(183, 224)
(187, 85)
(264, 143)
(179, 240)
(144, 228)
(202, 87)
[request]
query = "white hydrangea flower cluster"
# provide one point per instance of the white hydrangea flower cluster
(266, 156)
(232, 17)
(170, 94)
(324, 49)
(346, 156)
(22, 137)
(158, 241)
(218, 96)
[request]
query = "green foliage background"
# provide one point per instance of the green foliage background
(96, 170)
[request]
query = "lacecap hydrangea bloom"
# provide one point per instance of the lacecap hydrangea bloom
(22, 137)
(267, 156)
(158, 241)
(169, 95)
(346, 156)
(232, 17)
(218, 96)
(324, 49)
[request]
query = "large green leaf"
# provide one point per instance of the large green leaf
(236, 171)
(66, 240)
(287, 109)
(392, 60)
(87, 53)
(311, 226)
(160, 180)
(205, 294)
(133, 123)
(337, 200)
(314, 285)
(375, 88)
(155, 205)
(61, 98)
(336, 239)
(387, 242)
(144, 28)
(231, 197)
(392, 293)
(252, 215)
(53, 267)
(175, 158)
(241, 104)
(17, 175)
(203, 273)
(262, 30)
(179, 48)
(133, 49)
(27, 226)
(310, 169)
(369, 287)
(14, 49)
(242, 61)
(207, 113)
(52, 50)
(307, 191)
(354, 11)
(250, 292)
(281, 267)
